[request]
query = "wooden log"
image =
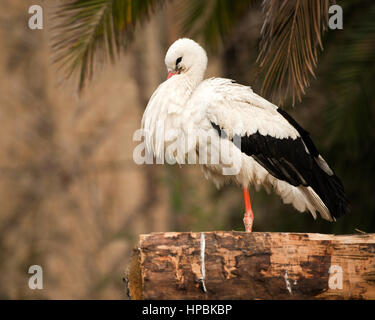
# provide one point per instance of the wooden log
(239, 265)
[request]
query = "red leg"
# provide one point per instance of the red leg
(249, 215)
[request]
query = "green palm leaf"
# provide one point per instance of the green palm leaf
(92, 31)
(291, 36)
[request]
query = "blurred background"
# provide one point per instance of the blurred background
(72, 199)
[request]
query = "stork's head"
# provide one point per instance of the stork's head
(186, 56)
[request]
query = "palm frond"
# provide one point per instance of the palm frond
(290, 38)
(92, 31)
(212, 19)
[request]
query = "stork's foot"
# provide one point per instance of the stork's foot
(249, 215)
(248, 221)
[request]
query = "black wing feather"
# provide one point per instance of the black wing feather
(294, 161)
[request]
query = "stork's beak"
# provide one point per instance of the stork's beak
(171, 74)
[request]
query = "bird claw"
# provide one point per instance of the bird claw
(248, 222)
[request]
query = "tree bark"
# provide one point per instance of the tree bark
(239, 265)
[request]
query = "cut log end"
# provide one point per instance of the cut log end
(134, 277)
(239, 265)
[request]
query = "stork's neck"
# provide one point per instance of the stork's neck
(194, 76)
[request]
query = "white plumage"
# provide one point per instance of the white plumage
(186, 103)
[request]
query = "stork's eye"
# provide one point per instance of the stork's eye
(178, 60)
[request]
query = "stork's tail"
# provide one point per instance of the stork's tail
(325, 194)
(328, 189)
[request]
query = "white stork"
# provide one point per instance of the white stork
(274, 150)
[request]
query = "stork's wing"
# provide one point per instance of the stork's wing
(273, 138)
